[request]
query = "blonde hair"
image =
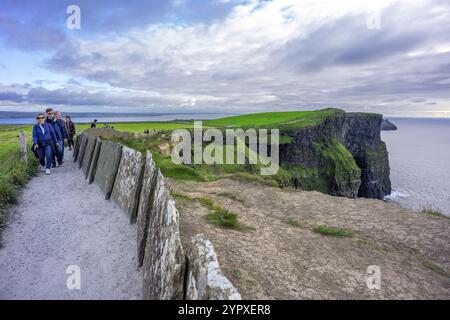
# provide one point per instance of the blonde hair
(40, 114)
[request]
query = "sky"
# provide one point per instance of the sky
(227, 56)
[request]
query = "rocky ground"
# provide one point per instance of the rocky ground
(284, 258)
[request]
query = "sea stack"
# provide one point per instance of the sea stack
(387, 125)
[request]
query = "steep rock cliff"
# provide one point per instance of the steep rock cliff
(342, 156)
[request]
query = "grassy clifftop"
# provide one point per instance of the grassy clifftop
(275, 120)
(318, 151)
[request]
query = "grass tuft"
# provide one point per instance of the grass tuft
(335, 232)
(222, 217)
(295, 223)
(428, 209)
(231, 196)
(430, 265)
(180, 197)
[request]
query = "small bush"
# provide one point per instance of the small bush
(8, 192)
(224, 218)
(335, 232)
(19, 175)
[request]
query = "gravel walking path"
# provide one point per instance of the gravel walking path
(62, 221)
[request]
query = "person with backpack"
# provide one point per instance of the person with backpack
(70, 129)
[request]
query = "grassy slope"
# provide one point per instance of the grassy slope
(203, 172)
(13, 173)
(274, 119)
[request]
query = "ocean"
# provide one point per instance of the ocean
(9, 117)
(419, 156)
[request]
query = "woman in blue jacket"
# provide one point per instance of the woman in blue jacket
(43, 139)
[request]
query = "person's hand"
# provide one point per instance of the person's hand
(36, 147)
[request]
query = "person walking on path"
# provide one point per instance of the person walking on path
(70, 129)
(58, 144)
(44, 138)
(62, 127)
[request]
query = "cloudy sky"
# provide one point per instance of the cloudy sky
(382, 56)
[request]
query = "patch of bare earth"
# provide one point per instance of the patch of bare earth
(283, 258)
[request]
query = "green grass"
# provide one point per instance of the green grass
(235, 272)
(340, 171)
(231, 196)
(13, 172)
(222, 217)
(269, 120)
(139, 127)
(295, 223)
(430, 265)
(180, 197)
(433, 212)
(335, 232)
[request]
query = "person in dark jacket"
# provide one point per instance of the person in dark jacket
(70, 129)
(59, 137)
(43, 139)
(62, 127)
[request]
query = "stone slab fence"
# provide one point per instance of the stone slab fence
(133, 181)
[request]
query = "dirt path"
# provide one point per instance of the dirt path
(62, 221)
(279, 260)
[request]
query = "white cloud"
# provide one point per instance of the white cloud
(271, 55)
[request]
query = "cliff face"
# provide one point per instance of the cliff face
(342, 156)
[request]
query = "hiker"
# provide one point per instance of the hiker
(70, 129)
(94, 124)
(62, 127)
(43, 139)
(58, 143)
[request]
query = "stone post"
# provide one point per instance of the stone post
(23, 146)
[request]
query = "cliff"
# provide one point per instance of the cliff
(387, 125)
(342, 156)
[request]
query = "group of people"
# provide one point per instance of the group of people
(49, 135)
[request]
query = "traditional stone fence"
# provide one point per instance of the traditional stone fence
(133, 181)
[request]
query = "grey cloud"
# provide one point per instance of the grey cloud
(11, 96)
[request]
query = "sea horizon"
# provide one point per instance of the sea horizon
(28, 117)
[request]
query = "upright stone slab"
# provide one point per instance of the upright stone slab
(146, 200)
(88, 154)
(127, 185)
(83, 145)
(107, 165)
(205, 280)
(164, 260)
(93, 167)
(77, 146)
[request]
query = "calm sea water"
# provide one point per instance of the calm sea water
(7, 117)
(419, 155)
